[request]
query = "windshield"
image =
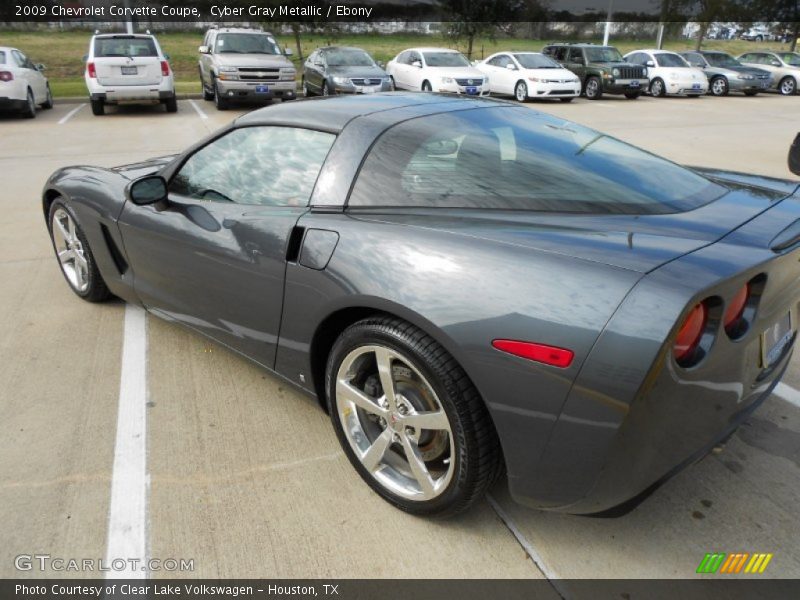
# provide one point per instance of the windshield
(536, 61)
(508, 158)
(603, 55)
(445, 59)
(246, 43)
(790, 58)
(124, 46)
(722, 60)
(349, 58)
(670, 60)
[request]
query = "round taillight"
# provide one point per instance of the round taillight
(733, 314)
(690, 333)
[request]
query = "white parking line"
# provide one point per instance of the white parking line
(71, 114)
(527, 546)
(199, 110)
(127, 519)
(788, 393)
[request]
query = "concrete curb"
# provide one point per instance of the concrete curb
(85, 99)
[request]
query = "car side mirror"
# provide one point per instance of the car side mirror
(203, 49)
(649, 63)
(287, 52)
(40, 67)
(85, 57)
(417, 64)
(794, 156)
(381, 64)
(166, 57)
(511, 67)
(148, 190)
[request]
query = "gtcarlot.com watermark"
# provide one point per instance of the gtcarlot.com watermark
(58, 564)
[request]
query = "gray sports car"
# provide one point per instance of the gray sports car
(468, 286)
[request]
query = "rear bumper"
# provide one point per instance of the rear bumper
(125, 96)
(12, 104)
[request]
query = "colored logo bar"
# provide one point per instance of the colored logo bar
(734, 563)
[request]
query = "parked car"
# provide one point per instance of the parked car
(464, 283)
(527, 75)
(758, 33)
(245, 65)
(23, 85)
(600, 69)
(726, 74)
(343, 70)
(124, 68)
(794, 155)
(436, 70)
(784, 66)
(669, 73)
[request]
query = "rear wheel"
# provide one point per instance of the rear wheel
(787, 86)
(29, 111)
(657, 88)
(521, 91)
(594, 88)
(409, 419)
(171, 104)
(48, 101)
(98, 108)
(719, 86)
(74, 255)
(426, 86)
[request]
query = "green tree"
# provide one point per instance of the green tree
(471, 19)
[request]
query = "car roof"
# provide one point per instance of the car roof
(239, 30)
(341, 48)
(333, 113)
(431, 49)
(122, 34)
(7, 48)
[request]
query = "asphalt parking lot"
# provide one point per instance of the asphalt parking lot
(246, 476)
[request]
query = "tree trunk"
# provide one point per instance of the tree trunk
(795, 33)
(296, 31)
(701, 34)
(470, 40)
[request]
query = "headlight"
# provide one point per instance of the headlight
(228, 69)
(447, 80)
(228, 73)
(288, 74)
(341, 81)
(606, 75)
(615, 72)
(745, 77)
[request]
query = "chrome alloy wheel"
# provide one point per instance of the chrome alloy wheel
(70, 250)
(395, 423)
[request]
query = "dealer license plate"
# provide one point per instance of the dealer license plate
(634, 83)
(262, 89)
(774, 340)
(130, 70)
(472, 90)
(696, 86)
(763, 85)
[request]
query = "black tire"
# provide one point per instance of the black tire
(325, 89)
(29, 111)
(208, 95)
(426, 86)
(171, 104)
(593, 88)
(521, 91)
(306, 92)
(718, 86)
(98, 108)
(632, 95)
(97, 291)
(567, 100)
(787, 86)
(750, 93)
(48, 103)
(219, 102)
(473, 445)
(658, 88)
(393, 84)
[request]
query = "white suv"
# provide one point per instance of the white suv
(126, 68)
(22, 84)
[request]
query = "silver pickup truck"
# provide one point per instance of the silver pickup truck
(245, 65)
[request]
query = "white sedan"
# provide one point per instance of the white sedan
(436, 70)
(529, 75)
(22, 84)
(669, 73)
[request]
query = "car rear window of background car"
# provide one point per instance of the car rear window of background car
(509, 158)
(120, 46)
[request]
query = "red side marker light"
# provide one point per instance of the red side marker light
(549, 355)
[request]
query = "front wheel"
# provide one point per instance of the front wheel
(207, 95)
(521, 92)
(594, 88)
(719, 86)
(409, 419)
(219, 100)
(426, 86)
(787, 86)
(657, 88)
(48, 101)
(74, 255)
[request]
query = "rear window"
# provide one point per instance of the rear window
(124, 46)
(508, 158)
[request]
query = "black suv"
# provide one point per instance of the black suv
(601, 69)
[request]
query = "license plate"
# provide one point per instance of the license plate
(763, 85)
(774, 340)
(130, 70)
(696, 86)
(367, 90)
(633, 84)
(472, 90)
(262, 89)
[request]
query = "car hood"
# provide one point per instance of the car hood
(146, 167)
(638, 243)
(745, 70)
(356, 71)
(551, 73)
(252, 60)
(611, 64)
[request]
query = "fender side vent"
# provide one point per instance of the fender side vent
(116, 255)
(295, 242)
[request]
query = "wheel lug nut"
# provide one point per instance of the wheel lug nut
(410, 431)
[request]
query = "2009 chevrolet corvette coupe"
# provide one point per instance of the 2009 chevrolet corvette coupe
(466, 284)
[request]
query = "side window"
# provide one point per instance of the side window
(414, 57)
(20, 58)
(504, 61)
(272, 166)
(575, 55)
(495, 62)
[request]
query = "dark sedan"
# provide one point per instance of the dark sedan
(343, 70)
(468, 286)
(726, 74)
